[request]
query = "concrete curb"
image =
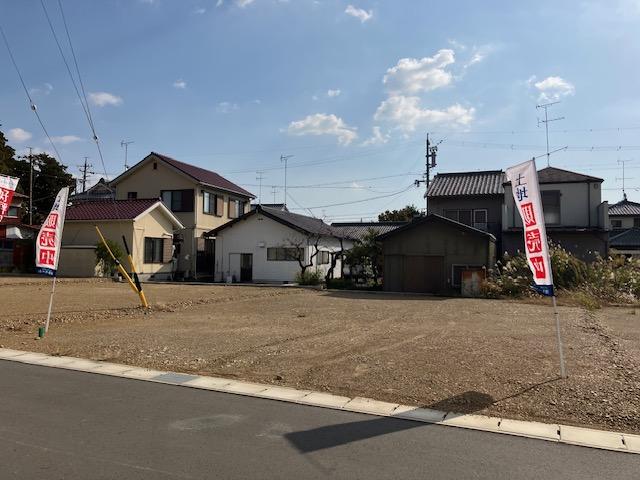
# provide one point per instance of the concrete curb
(585, 437)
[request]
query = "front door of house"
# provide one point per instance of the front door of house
(246, 267)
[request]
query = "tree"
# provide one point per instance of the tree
(300, 244)
(6, 155)
(366, 257)
(335, 256)
(404, 215)
(104, 258)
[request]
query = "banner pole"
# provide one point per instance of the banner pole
(53, 290)
(563, 372)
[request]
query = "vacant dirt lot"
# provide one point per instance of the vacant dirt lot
(488, 356)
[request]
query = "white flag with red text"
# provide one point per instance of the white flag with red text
(7, 188)
(526, 194)
(50, 236)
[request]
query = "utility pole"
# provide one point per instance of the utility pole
(431, 152)
(84, 169)
(30, 185)
(546, 121)
(259, 178)
(126, 151)
(624, 178)
(274, 190)
(285, 159)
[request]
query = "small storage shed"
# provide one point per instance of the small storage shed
(429, 254)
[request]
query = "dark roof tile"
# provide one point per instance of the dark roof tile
(358, 230)
(624, 208)
(109, 209)
(628, 238)
(467, 183)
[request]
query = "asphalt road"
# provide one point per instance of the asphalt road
(59, 424)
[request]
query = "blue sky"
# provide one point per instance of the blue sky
(349, 88)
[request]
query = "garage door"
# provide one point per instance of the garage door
(423, 274)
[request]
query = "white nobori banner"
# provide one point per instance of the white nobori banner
(526, 194)
(50, 236)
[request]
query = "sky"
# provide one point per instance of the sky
(347, 90)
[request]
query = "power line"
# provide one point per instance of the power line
(358, 201)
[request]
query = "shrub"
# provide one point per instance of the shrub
(308, 278)
(107, 264)
(340, 284)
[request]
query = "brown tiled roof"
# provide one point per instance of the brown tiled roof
(557, 175)
(109, 209)
(467, 183)
(204, 176)
(624, 208)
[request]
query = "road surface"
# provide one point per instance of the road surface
(59, 424)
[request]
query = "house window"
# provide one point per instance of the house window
(155, 165)
(467, 217)
(284, 254)
(132, 195)
(12, 212)
(236, 208)
(153, 250)
(617, 223)
(551, 206)
(178, 200)
(636, 222)
(323, 258)
(480, 219)
(212, 204)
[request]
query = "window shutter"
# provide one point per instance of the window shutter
(167, 249)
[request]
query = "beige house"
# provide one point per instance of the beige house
(200, 199)
(147, 224)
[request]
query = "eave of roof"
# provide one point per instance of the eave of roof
(437, 218)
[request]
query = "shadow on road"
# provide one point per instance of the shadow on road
(335, 435)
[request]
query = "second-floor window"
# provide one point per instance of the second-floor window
(236, 208)
(474, 218)
(12, 212)
(551, 206)
(178, 200)
(616, 223)
(212, 204)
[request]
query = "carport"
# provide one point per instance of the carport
(429, 254)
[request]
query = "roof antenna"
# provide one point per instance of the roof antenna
(126, 151)
(546, 121)
(624, 193)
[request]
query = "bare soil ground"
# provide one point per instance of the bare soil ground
(493, 357)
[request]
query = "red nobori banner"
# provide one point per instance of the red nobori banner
(7, 188)
(526, 194)
(50, 236)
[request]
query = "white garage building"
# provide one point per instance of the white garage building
(264, 245)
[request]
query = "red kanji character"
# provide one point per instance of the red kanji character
(4, 208)
(47, 238)
(47, 257)
(533, 241)
(528, 215)
(4, 195)
(52, 221)
(539, 269)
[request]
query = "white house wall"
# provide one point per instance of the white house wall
(257, 233)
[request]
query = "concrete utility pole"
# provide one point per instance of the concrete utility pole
(285, 159)
(30, 185)
(274, 190)
(126, 151)
(546, 121)
(84, 169)
(431, 153)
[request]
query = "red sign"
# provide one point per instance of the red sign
(7, 187)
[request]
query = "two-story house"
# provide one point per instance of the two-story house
(574, 213)
(16, 244)
(472, 198)
(201, 200)
(625, 227)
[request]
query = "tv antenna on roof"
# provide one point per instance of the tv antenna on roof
(624, 177)
(126, 151)
(546, 121)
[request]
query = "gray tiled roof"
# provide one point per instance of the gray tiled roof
(358, 230)
(467, 183)
(624, 208)
(628, 238)
(557, 175)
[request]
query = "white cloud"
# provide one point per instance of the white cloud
(356, 185)
(102, 99)
(44, 89)
(314, 98)
(406, 114)
(18, 135)
(226, 107)
(479, 54)
(180, 84)
(324, 124)
(552, 89)
(333, 93)
(377, 138)
(359, 13)
(200, 11)
(412, 75)
(66, 139)
(219, 3)
(243, 3)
